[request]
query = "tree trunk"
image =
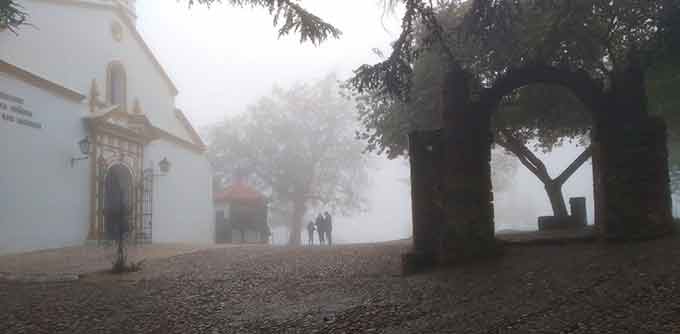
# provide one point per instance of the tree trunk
(553, 187)
(559, 207)
(299, 209)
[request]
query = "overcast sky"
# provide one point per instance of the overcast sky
(223, 58)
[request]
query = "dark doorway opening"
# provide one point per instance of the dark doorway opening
(117, 202)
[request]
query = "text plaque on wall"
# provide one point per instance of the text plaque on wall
(12, 110)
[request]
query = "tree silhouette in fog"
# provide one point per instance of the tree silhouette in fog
(298, 145)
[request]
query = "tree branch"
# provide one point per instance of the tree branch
(294, 17)
(525, 156)
(575, 165)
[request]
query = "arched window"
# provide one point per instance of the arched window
(116, 86)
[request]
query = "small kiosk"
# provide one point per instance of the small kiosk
(241, 215)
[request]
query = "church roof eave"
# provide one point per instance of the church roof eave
(198, 148)
(131, 25)
(40, 82)
(189, 128)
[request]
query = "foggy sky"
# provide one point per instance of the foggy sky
(224, 58)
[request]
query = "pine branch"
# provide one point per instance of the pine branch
(11, 15)
(291, 17)
(392, 77)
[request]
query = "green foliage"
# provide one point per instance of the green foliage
(488, 37)
(291, 16)
(298, 145)
(11, 15)
(392, 77)
(542, 114)
(545, 116)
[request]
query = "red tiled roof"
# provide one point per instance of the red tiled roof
(239, 192)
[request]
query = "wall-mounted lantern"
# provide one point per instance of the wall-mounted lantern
(164, 165)
(84, 146)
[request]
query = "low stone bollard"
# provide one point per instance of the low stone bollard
(551, 223)
(578, 211)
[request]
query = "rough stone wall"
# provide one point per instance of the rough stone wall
(426, 152)
(635, 200)
(452, 199)
(465, 191)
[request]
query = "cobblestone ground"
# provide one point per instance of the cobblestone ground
(580, 288)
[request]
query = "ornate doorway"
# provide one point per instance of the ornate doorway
(117, 175)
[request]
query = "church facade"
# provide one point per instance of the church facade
(88, 122)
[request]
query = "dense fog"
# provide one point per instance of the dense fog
(223, 59)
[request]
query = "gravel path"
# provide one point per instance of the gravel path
(580, 288)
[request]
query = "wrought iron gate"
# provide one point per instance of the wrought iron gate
(146, 207)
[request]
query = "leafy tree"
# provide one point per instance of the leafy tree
(486, 40)
(540, 115)
(543, 116)
(299, 146)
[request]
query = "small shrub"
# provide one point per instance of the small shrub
(122, 267)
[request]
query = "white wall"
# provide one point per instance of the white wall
(72, 44)
(182, 205)
(44, 203)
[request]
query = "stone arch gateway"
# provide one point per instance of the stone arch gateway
(452, 198)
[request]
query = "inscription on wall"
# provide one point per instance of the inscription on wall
(12, 110)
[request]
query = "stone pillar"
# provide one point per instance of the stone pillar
(426, 151)
(598, 194)
(451, 197)
(451, 182)
(579, 215)
(468, 229)
(635, 190)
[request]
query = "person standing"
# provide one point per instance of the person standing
(328, 227)
(320, 228)
(310, 232)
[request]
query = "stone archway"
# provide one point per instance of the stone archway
(452, 199)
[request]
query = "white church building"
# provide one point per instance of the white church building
(85, 107)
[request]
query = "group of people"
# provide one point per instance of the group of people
(323, 225)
